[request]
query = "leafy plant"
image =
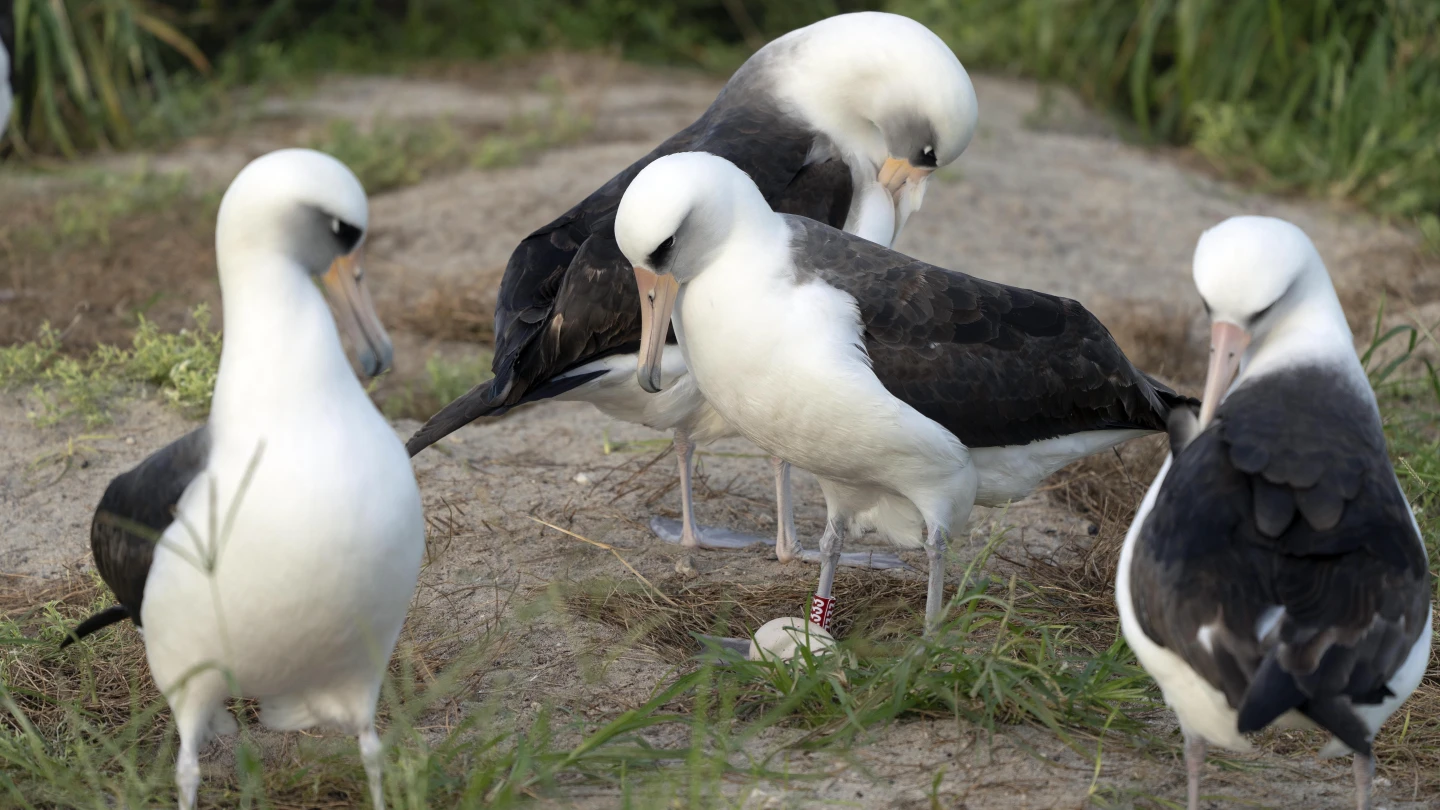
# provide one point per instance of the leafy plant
(92, 74)
(182, 366)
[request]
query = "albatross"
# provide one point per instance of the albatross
(279, 544)
(1274, 572)
(842, 121)
(910, 391)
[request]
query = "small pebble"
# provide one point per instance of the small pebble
(129, 439)
(685, 567)
(582, 478)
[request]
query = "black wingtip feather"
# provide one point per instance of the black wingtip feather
(96, 623)
(466, 408)
(1336, 716)
(471, 406)
(1273, 692)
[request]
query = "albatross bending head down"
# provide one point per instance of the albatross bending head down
(889, 96)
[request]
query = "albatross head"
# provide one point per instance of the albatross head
(676, 215)
(309, 211)
(885, 90)
(1253, 272)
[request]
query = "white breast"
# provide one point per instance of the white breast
(312, 581)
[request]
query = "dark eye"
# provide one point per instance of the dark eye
(658, 256)
(927, 156)
(346, 234)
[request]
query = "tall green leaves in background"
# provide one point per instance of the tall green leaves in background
(93, 73)
(1337, 99)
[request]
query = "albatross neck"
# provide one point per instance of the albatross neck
(1311, 330)
(281, 348)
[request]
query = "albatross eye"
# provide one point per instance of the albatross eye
(658, 256)
(346, 234)
(927, 156)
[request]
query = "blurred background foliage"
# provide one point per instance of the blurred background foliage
(1337, 99)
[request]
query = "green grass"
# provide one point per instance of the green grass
(444, 380)
(1339, 100)
(97, 74)
(87, 216)
(393, 154)
(180, 366)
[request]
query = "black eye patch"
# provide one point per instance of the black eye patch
(660, 253)
(346, 234)
(927, 158)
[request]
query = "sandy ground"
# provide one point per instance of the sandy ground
(1047, 197)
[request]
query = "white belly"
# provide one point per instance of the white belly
(788, 372)
(311, 584)
(678, 405)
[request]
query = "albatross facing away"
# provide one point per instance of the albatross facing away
(911, 392)
(842, 121)
(1274, 570)
(289, 526)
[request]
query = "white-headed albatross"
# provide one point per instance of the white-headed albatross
(912, 392)
(841, 121)
(280, 543)
(1275, 571)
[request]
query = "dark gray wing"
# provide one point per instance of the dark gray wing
(995, 365)
(136, 509)
(568, 295)
(1287, 499)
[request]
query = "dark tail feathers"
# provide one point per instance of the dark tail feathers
(476, 403)
(1273, 691)
(96, 623)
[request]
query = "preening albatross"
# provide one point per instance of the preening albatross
(1275, 571)
(842, 121)
(912, 392)
(280, 543)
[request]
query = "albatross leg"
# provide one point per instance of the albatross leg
(686, 531)
(787, 547)
(1364, 779)
(372, 755)
(935, 594)
(1194, 763)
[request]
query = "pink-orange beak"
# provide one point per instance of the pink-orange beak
(1227, 346)
(657, 301)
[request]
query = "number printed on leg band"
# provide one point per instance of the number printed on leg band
(822, 609)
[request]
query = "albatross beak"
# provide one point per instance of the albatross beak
(1227, 345)
(345, 287)
(896, 172)
(657, 299)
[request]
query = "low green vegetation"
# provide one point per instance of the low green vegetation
(180, 366)
(87, 215)
(394, 154)
(444, 380)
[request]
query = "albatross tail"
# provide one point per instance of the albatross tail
(96, 623)
(481, 401)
